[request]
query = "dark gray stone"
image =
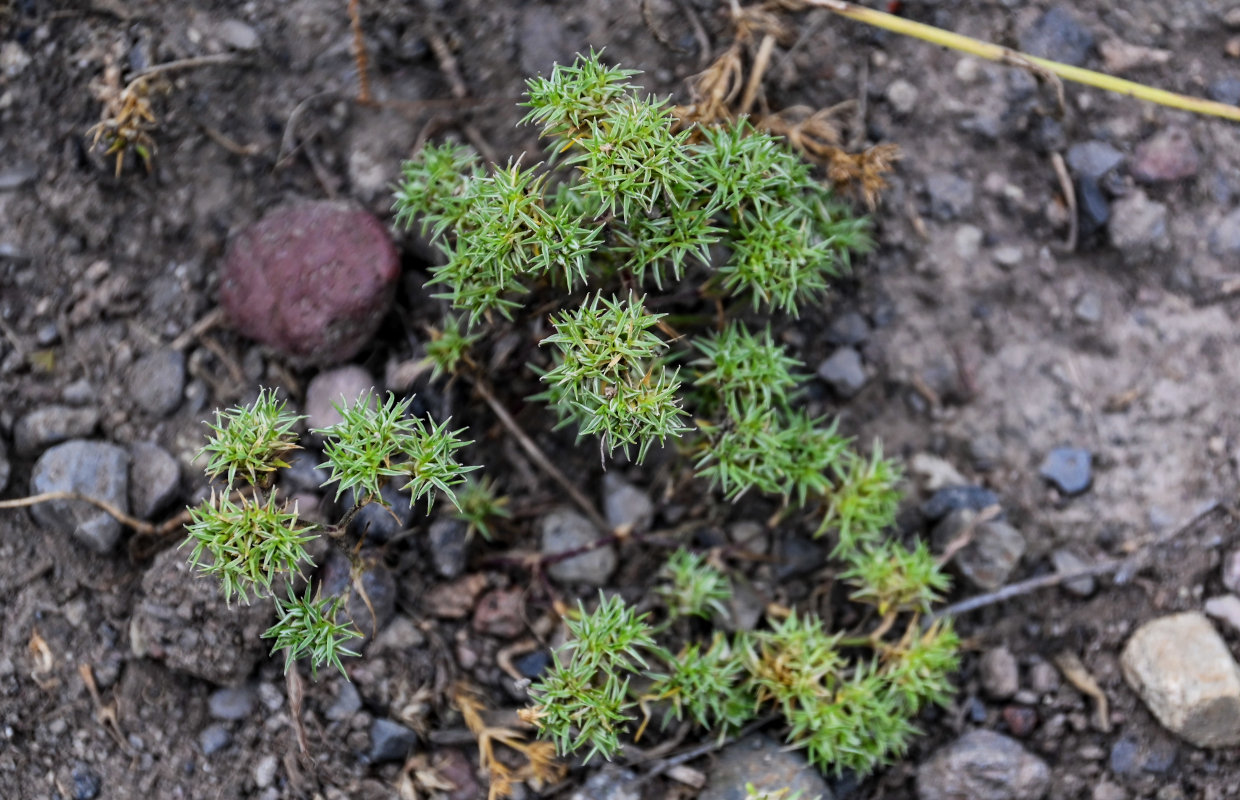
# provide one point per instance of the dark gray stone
(625, 505)
(51, 425)
(532, 665)
(86, 783)
(768, 765)
(1058, 36)
(154, 479)
(1225, 90)
(348, 702)
(377, 582)
(303, 474)
(564, 530)
(214, 738)
(1093, 159)
(983, 765)
(390, 741)
(231, 702)
(849, 328)
(157, 381)
(1069, 468)
(844, 372)
(379, 522)
(950, 195)
(97, 469)
(1225, 237)
(954, 498)
(993, 550)
(1066, 561)
(797, 556)
(1093, 208)
(446, 538)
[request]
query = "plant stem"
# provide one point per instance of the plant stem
(1006, 55)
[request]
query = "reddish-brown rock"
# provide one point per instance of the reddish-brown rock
(311, 280)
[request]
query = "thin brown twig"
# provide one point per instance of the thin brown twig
(1069, 196)
(49, 497)
(359, 54)
(536, 454)
(760, 62)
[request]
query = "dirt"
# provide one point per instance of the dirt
(989, 365)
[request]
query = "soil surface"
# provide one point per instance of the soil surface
(987, 339)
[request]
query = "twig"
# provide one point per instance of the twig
(359, 54)
(48, 497)
(186, 63)
(1069, 196)
(236, 148)
(206, 323)
(760, 62)
(536, 455)
(994, 52)
(460, 91)
(703, 749)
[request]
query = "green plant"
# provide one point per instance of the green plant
(629, 197)
(249, 538)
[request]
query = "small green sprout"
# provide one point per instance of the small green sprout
(448, 347)
(478, 505)
(252, 440)
(693, 587)
(308, 627)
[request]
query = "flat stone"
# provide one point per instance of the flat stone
(1070, 469)
(1093, 159)
(1058, 36)
(97, 469)
(1168, 155)
(51, 425)
(231, 702)
(156, 381)
(844, 372)
(1183, 671)
(983, 765)
(768, 765)
(238, 35)
(625, 506)
(154, 479)
(564, 530)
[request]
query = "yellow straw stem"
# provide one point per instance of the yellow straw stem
(1006, 55)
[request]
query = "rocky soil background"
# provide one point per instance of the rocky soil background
(1087, 390)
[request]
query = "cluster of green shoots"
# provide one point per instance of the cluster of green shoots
(253, 541)
(628, 198)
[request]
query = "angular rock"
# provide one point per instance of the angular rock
(1226, 609)
(625, 505)
(183, 621)
(97, 469)
(1069, 468)
(999, 673)
(1093, 208)
(1058, 36)
(563, 530)
(1093, 159)
(156, 381)
(313, 280)
(154, 479)
(1183, 671)
(955, 498)
(379, 522)
(390, 741)
(765, 763)
(983, 765)
(844, 372)
(993, 550)
(51, 425)
(1138, 227)
(849, 328)
(1168, 155)
(499, 613)
(342, 386)
(1066, 561)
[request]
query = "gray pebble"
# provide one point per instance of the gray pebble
(390, 741)
(843, 371)
(1058, 36)
(902, 95)
(983, 765)
(1088, 308)
(1138, 227)
(17, 177)
(1069, 468)
(97, 469)
(78, 393)
(1093, 208)
(954, 498)
(238, 35)
(563, 530)
(999, 673)
(342, 386)
(1067, 561)
(1044, 677)
(157, 381)
(446, 539)
(1168, 155)
(1225, 237)
(950, 195)
(214, 738)
(348, 702)
(231, 702)
(154, 479)
(379, 585)
(1231, 571)
(51, 425)
(1008, 256)
(625, 505)
(379, 522)
(768, 765)
(86, 783)
(303, 474)
(1093, 159)
(610, 783)
(265, 771)
(992, 553)
(1225, 608)
(849, 328)
(1225, 90)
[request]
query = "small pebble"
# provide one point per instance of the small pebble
(1044, 677)
(1138, 227)
(1093, 208)
(844, 372)
(97, 469)
(1008, 256)
(156, 381)
(564, 530)
(951, 196)
(849, 328)
(999, 673)
(1088, 308)
(500, 613)
(1224, 238)
(1231, 571)
(983, 764)
(231, 703)
(935, 473)
(86, 783)
(1021, 720)
(1225, 608)
(1109, 791)
(347, 703)
(1069, 468)
(342, 387)
(625, 506)
(1093, 159)
(902, 95)
(51, 425)
(532, 665)
(768, 765)
(1225, 90)
(992, 553)
(265, 771)
(447, 538)
(1168, 155)
(1058, 36)
(1067, 561)
(237, 35)
(390, 741)
(214, 738)
(154, 479)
